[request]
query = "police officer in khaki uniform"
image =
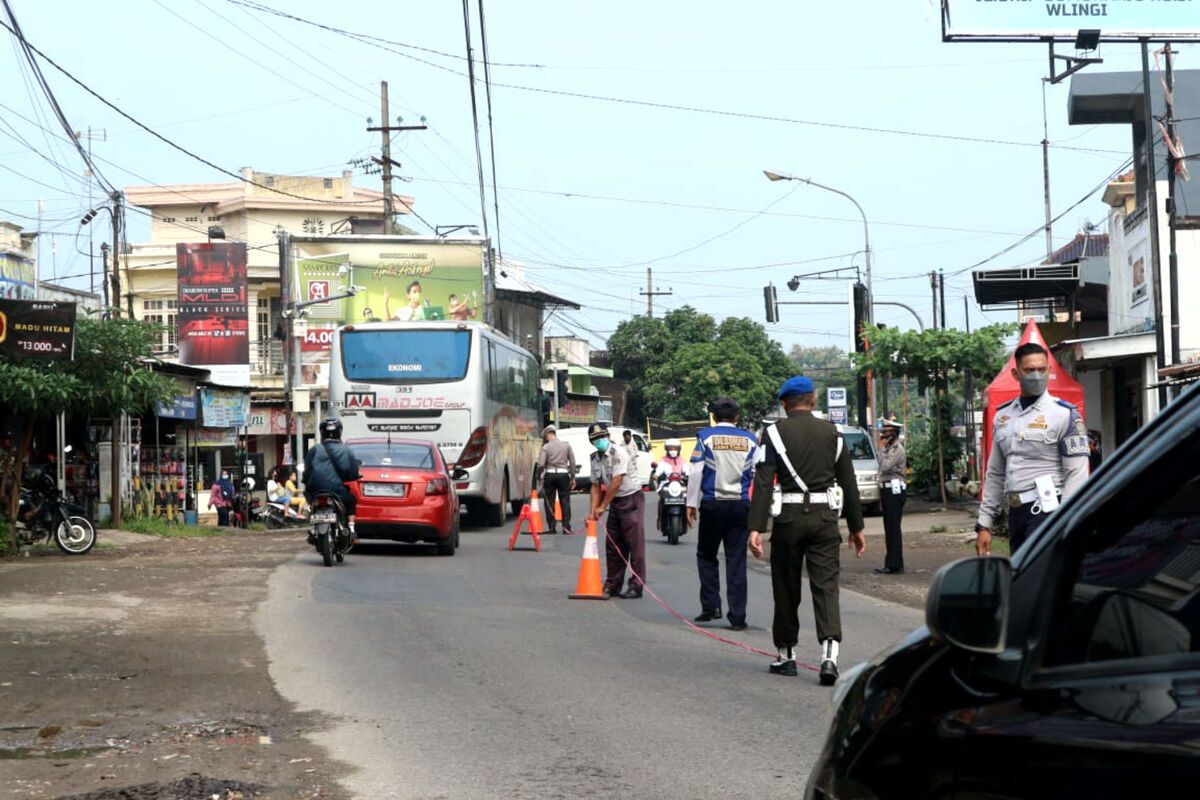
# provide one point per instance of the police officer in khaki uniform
(893, 490)
(555, 467)
(1039, 454)
(816, 478)
(617, 490)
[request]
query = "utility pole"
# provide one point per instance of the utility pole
(969, 404)
(116, 253)
(1046, 172)
(651, 293)
(933, 285)
(1172, 164)
(1160, 360)
(100, 134)
(385, 131)
(942, 293)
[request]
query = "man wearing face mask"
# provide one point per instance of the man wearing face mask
(1039, 454)
(615, 467)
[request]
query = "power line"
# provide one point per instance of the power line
(172, 144)
(382, 44)
(487, 85)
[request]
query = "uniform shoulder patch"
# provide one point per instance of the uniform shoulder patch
(1065, 403)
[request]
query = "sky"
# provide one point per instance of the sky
(627, 135)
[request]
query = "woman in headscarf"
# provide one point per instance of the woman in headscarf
(221, 497)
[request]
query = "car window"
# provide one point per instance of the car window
(405, 456)
(641, 443)
(859, 445)
(1134, 588)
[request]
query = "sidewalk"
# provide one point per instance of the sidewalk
(135, 672)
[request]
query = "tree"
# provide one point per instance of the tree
(110, 375)
(827, 366)
(676, 365)
(935, 358)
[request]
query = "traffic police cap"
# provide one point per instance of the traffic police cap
(597, 430)
(890, 423)
(549, 429)
(797, 384)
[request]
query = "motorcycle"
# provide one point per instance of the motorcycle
(329, 533)
(245, 505)
(278, 515)
(43, 513)
(673, 495)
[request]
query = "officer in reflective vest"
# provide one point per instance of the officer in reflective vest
(1039, 454)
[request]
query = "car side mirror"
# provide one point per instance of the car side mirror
(459, 474)
(968, 604)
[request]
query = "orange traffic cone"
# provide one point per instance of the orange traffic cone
(522, 518)
(589, 586)
(535, 511)
(557, 509)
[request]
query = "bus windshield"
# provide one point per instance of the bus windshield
(399, 356)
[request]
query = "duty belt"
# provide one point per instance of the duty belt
(799, 498)
(557, 470)
(1018, 499)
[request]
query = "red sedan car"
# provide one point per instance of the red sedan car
(406, 493)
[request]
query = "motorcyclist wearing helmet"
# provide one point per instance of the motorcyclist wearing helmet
(331, 465)
(672, 463)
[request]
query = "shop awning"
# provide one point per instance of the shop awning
(1103, 351)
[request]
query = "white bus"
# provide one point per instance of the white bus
(462, 385)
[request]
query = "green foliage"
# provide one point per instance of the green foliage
(938, 359)
(677, 364)
(934, 356)
(157, 526)
(827, 366)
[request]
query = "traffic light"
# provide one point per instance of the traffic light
(562, 376)
(772, 302)
(860, 315)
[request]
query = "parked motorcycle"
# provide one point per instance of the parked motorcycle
(330, 533)
(44, 513)
(673, 494)
(278, 515)
(245, 505)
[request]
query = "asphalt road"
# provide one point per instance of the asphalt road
(476, 676)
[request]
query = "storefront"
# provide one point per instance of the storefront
(220, 441)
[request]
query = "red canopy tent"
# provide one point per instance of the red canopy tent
(1004, 388)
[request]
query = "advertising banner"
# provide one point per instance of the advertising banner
(16, 277)
(836, 396)
(223, 408)
(577, 410)
(839, 415)
(180, 407)
(396, 278)
(268, 421)
(37, 330)
(1038, 19)
(213, 314)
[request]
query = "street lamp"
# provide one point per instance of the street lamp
(779, 176)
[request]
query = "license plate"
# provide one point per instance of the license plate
(385, 489)
(674, 501)
(324, 515)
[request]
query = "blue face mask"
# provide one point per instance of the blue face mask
(601, 445)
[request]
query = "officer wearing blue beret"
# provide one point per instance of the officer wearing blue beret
(816, 482)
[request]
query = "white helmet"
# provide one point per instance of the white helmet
(672, 443)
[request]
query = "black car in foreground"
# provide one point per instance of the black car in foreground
(1072, 672)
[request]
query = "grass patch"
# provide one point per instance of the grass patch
(937, 528)
(153, 526)
(258, 526)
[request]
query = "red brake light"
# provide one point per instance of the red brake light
(476, 447)
(438, 485)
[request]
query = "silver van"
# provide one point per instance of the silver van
(866, 466)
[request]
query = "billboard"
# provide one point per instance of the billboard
(1034, 20)
(31, 329)
(16, 277)
(397, 278)
(213, 314)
